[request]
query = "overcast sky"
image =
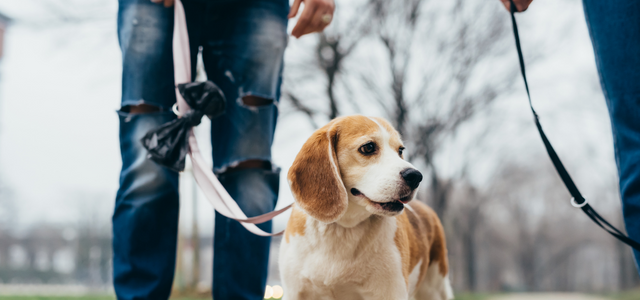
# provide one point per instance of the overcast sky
(60, 87)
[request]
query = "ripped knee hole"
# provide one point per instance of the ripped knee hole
(140, 109)
(250, 164)
(256, 101)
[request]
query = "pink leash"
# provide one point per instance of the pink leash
(208, 182)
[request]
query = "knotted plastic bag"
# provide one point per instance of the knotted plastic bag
(168, 144)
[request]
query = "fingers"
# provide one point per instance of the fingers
(294, 9)
(318, 23)
(521, 5)
(167, 3)
(506, 4)
(321, 19)
(305, 19)
(316, 16)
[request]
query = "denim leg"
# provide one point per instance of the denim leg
(244, 59)
(145, 33)
(241, 258)
(614, 26)
(145, 219)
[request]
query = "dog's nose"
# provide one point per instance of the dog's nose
(412, 177)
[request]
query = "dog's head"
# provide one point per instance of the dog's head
(353, 159)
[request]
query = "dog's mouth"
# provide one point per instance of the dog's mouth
(405, 199)
(392, 206)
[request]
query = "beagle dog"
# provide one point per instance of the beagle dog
(353, 233)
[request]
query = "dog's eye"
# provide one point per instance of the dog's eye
(368, 148)
(400, 151)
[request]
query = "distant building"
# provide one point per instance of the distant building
(4, 23)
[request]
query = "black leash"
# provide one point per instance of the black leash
(577, 200)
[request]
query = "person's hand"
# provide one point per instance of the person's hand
(167, 3)
(316, 15)
(521, 5)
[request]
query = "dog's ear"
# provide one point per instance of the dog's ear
(315, 177)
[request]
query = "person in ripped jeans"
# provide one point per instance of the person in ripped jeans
(614, 27)
(242, 44)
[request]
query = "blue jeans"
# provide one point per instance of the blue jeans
(614, 26)
(242, 44)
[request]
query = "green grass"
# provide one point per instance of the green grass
(57, 298)
(75, 298)
(464, 296)
(628, 295)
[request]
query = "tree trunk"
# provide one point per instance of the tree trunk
(470, 258)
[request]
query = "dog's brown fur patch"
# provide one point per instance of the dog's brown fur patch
(315, 177)
(297, 223)
(420, 237)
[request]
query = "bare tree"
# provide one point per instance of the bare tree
(7, 207)
(467, 222)
(432, 79)
(93, 239)
(7, 219)
(326, 64)
(544, 232)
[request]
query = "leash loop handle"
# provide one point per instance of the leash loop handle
(577, 199)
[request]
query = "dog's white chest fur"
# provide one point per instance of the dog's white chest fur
(333, 262)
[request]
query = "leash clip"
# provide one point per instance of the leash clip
(576, 205)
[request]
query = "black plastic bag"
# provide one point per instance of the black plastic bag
(168, 144)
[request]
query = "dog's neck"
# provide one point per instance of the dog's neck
(354, 215)
(346, 242)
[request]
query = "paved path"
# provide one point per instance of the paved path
(548, 296)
